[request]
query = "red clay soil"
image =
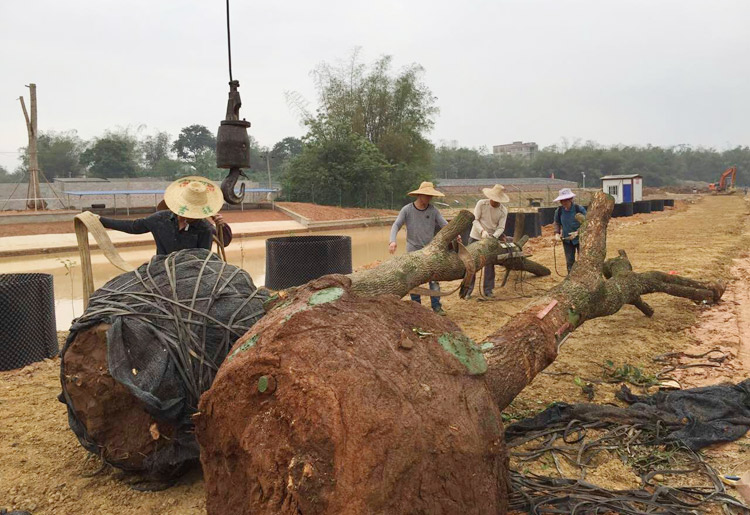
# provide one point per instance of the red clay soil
(324, 213)
(310, 211)
(113, 417)
(249, 215)
(340, 404)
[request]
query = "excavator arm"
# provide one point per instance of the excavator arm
(731, 171)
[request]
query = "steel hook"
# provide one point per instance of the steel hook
(228, 184)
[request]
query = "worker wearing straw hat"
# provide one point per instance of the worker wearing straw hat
(191, 202)
(489, 222)
(568, 219)
(422, 221)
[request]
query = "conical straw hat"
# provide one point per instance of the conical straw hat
(194, 197)
(496, 193)
(426, 188)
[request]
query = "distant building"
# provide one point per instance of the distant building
(625, 188)
(517, 149)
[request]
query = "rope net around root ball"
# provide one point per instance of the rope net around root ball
(196, 316)
(169, 325)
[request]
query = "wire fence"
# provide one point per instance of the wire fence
(455, 198)
(118, 203)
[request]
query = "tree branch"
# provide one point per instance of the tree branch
(436, 262)
(529, 342)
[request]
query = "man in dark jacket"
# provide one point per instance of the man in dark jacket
(191, 202)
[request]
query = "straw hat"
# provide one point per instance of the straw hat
(194, 197)
(496, 193)
(565, 194)
(426, 188)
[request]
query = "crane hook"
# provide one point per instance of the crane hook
(228, 184)
(232, 140)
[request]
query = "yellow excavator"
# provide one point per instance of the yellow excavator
(722, 186)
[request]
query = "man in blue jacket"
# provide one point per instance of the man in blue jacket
(568, 218)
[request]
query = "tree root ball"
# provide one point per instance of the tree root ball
(149, 343)
(334, 403)
(99, 400)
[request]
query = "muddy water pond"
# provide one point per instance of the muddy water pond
(368, 244)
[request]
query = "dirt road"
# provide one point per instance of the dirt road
(44, 469)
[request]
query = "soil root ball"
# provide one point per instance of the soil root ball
(335, 403)
(150, 342)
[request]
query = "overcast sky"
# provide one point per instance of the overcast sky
(629, 71)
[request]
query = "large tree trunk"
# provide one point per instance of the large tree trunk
(344, 399)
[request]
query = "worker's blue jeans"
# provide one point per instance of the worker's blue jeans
(488, 284)
(434, 301)
(570, 253)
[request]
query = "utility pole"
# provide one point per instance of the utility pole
(33, 195)
(268, 167)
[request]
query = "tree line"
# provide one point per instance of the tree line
(126, 153)
(659, 166)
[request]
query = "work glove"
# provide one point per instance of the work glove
(558, 236)
(485, 234)
(573, 235)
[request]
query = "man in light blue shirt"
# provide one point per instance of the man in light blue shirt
(422, 221)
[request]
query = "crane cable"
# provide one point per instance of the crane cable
(229, 44)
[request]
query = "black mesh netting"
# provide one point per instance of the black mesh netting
(170, 324)
(27, 319)
(697, 417)
(296, 260)
(659, 434)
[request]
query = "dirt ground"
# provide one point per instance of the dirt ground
(44, 469)
(706, 239)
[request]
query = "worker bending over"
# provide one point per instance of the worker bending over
(568, 219)
(191, 202)
(489, 222)
(422, 221)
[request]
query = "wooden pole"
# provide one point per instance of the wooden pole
(519, 226)
(33, 195)
(268, 167)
